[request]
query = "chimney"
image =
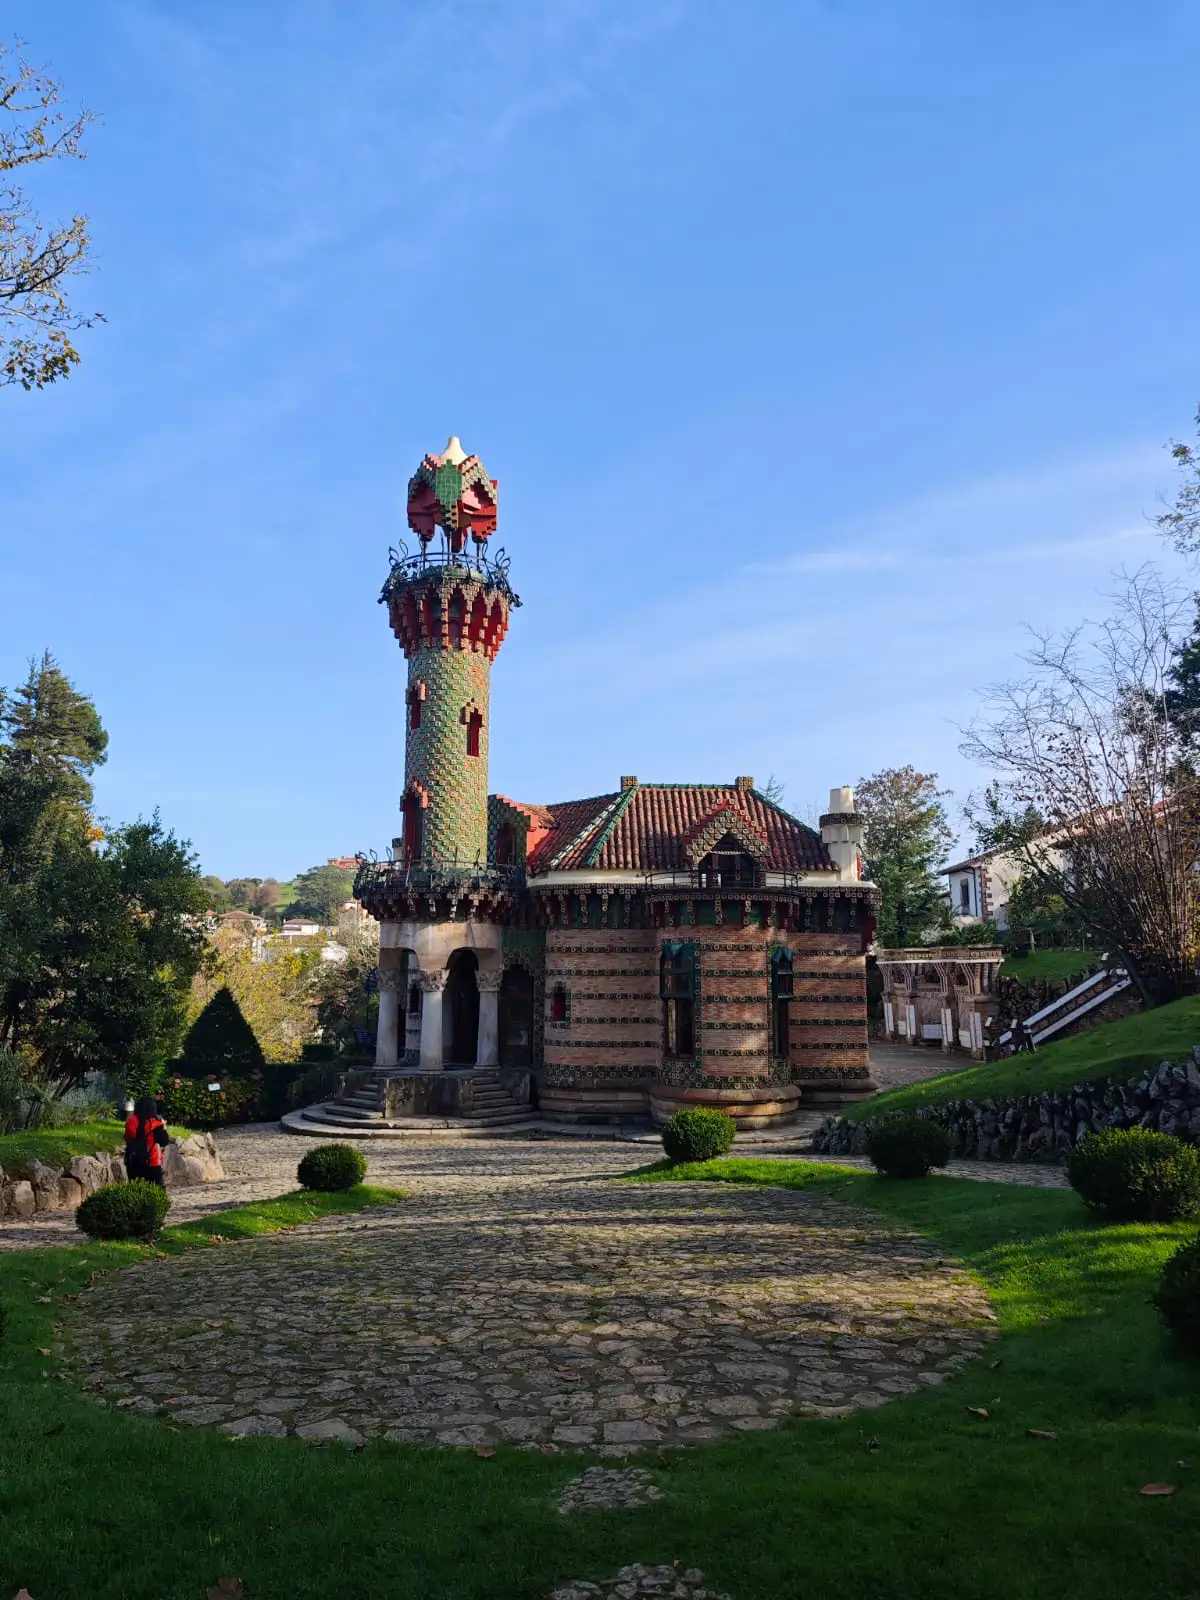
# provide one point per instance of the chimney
(628, 783)
(743, 784)
(842, 834)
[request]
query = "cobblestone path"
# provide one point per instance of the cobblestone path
(530, 1300)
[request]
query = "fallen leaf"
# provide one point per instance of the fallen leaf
(979, 1411)
(548, 1449)
(994, 1364)
(483, 1451)
(1040, 1433)
(1157, 1488)
(22, 1594)
(44, 1299)
(42, 1351)
(226, 1588)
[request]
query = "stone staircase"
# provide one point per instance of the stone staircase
(358, 1111)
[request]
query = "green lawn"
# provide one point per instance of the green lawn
(56, 1146)
(1113, 1050)
(918, 1500)
(1053, 964)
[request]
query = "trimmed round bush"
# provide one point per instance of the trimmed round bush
(133, 1210)
(332, 1168)
(1178, 1295)
(1136, 1175)
(698, 1135)
(907, 1146)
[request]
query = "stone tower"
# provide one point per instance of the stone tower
(449, 609)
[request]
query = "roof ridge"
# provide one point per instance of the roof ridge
(606, 831)
(582, 833)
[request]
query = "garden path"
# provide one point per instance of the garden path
(517, 1296)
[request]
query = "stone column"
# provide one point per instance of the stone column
(432, 985)
(487, 1049)
(387, 1040)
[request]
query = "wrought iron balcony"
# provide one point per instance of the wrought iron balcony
(442, 879)
(408, 567)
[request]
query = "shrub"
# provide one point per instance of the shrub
(1136, 1175)
(698, 1135)
(133, 1210)
(331, 1167)
(1178, 1295)
(907, 1146)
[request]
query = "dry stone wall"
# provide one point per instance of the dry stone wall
(34, 1186)
(1037, 1126)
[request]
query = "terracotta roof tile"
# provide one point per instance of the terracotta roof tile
(645, 829)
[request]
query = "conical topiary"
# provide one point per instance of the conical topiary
(221, 1035)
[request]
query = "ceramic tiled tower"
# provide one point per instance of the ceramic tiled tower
(450, 614)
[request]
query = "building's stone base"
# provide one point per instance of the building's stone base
(596, 1103)
(749, 1108)
(836, 1091)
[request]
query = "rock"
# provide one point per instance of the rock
(22, 1203)
(192, 1161)
(45, 1186)
(71, 1193)
(90, 1172)
(332, 1431)
(249, 1427)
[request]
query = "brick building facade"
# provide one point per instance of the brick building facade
(612, 957)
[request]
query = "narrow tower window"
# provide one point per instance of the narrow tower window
(413, 829)
(474, 727)
(558, 1003)
(677, 987)
(415, 695)
(781, 1003)
(506, 845)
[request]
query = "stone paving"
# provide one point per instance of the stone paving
(516, 1297)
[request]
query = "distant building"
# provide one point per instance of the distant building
(343, 863)
(980, 886)
(300, 928)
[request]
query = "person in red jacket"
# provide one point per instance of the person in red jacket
(146, 1137)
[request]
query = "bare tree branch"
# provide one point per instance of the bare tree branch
(1094, 796)
(36, 317)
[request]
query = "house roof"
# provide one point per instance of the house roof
(647, 827)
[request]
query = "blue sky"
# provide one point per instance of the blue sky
(816, 346)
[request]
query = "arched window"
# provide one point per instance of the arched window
(506, 845)
(474, 729)
(781, 1003)
(558, 1003)
(677, 986)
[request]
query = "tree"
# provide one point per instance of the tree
(905, 836)
(216, 895)
(346, 1000)
(52, 729)
(36, 318)
(1180, 522)
(97, 955)
(239, 891)
(96, 951)
(264, 896)
(272, 984)
(221, 1034)
(320, 891)
(1094, 797)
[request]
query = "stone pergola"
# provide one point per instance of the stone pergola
(944, 995)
